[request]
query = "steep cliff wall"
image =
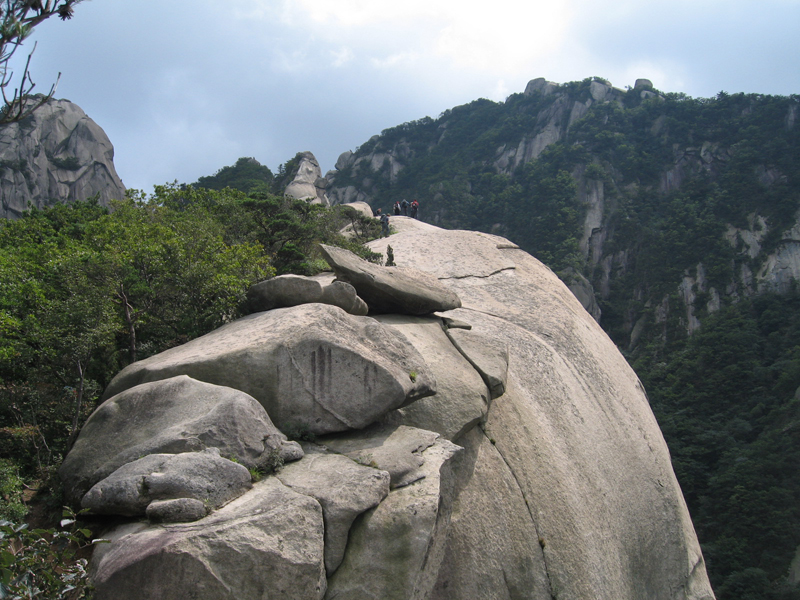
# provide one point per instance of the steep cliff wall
(57, 154)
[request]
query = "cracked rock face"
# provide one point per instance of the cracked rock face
(575, 432)
(57, 154)
(531, 469)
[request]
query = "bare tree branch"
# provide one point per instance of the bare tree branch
(17, 21)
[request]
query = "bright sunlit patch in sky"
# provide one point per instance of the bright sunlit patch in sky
(504, 35)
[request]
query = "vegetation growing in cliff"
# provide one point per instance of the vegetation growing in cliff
(726, 401)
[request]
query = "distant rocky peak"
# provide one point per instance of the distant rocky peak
(308, 183)
(55, 155)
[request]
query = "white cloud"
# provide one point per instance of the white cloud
(341, 57)
(394, 60)
(503, 35)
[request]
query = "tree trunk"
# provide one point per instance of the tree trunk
(78, 404)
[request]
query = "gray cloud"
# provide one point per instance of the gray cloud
(183, 88)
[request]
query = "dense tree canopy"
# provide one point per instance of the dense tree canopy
(85, 291)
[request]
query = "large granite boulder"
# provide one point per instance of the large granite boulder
(202, 476)
(390, 289)
(265, 544)
(171, 416)
(57, 154)
(314, 367)
(574, 428)
(293, 290)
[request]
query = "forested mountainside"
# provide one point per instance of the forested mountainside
(676, 219)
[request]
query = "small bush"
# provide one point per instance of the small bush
(12, 508)
(42, 563)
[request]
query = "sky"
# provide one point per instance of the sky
(185, 87)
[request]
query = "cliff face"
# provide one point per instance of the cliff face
(587, 176)
(477, 437)
(57, 154)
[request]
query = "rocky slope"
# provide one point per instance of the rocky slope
(57, 154)
(490, 442)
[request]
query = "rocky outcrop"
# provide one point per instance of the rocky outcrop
(390, 289)
(292, 290)
(357, 174)
(171, 416)
(532, 469)
(57, 154)
(308, 183)
(313, 367)
(265, 544)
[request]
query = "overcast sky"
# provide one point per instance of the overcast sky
(185, 87)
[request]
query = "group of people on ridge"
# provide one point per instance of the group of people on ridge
(400, 207)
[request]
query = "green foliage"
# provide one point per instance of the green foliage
(68, 163)
(726, 402)
(247, 175)
(85, 291)
(12, 507)
(44, 563)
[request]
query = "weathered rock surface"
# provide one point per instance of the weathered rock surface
(493, 549)
(171, 416)
(487, 354)
(461, 400)
(293, 290)
(391, 448)
(57, 154)
(308, 184)
(574, 427)
(390, 289)
(313, 367)
(265, 544)
(178, 510)
(362, 207)
(202, 476)
(395, 549)
(564, 487)
(344, 489)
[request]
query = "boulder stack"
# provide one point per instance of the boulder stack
(479, 438)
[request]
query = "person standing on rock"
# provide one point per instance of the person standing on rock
(414, 208)
(404, 206)
(397, 207)
(384, 223)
